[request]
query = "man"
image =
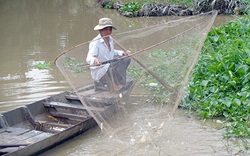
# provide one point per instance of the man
(110, 76)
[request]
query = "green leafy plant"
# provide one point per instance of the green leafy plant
(74, 65)
(43, 65)
(220, 85)
(109, 5)
(131, 7)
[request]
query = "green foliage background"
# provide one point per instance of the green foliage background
(220, 85)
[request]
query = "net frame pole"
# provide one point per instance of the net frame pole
(165, 84)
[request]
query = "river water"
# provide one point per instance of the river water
(38, 31)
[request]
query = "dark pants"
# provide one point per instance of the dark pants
(116, 75)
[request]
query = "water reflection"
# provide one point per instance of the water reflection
(34, 31)
(31, 86)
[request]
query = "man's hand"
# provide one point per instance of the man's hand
(127, 53)
(96, 61)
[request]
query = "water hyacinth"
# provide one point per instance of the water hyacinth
(220, 84)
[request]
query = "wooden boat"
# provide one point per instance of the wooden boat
(39, 126)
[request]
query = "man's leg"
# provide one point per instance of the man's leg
(116, 75)
(105, 83)
(118, 70)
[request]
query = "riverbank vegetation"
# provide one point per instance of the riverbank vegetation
(220, 85)
(188, 3)
(139, 8)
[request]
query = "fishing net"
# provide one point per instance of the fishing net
(162, 60)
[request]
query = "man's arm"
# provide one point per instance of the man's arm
(92, 54)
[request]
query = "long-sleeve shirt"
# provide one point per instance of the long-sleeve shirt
(98, 49)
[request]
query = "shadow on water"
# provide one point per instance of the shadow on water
(33, 31)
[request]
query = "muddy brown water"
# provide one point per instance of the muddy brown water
(37, 31)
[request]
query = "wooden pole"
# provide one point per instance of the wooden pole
(165, 84)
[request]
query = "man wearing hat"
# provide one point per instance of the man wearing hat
(110, 76)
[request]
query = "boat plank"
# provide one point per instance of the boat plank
(16, 142)
(14, 130)
(97, 97)
(50, 124)
(100, 96)
(15, 137)
(10, 149)
(9, 137)
(71, 106)
(39, 137)
(70, 116)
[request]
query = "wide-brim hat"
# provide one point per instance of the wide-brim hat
(103, 23)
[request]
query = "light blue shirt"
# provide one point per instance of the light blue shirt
(98, 49)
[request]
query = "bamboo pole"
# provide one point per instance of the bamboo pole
(164, 83)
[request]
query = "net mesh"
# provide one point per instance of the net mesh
(162, 60)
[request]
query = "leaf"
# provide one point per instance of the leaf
(233, 83)
(241, 71)
(237, 101)
(228, 103)
(204, 83)
(247, 60)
